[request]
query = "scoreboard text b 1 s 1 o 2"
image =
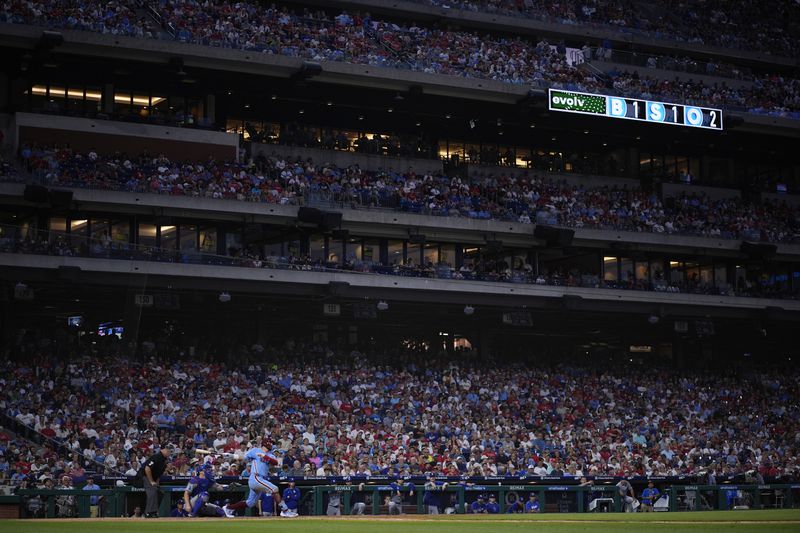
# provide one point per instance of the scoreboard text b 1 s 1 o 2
(635, 109)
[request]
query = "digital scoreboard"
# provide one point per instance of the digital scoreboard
(635, 109)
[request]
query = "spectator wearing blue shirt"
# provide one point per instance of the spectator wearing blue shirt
(18, 477)
(649, 497)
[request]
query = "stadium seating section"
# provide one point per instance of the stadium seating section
(531, 198)
(359, 38)
(401, 413)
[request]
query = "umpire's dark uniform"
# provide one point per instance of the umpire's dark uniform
(149, 474)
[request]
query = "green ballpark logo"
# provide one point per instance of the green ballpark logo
(581, 103)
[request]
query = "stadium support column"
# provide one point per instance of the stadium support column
(130, 320)
(384, 251)
(533, 260)
(679, 349)
(4, 91)
(211, 108)
(8, 128)
(485, 343)
(632, 164)
(108, 99)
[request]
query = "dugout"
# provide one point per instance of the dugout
(552, 498)
(120, 501)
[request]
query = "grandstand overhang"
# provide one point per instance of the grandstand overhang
(269, 283)
(388, 223)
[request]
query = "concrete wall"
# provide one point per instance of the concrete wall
(384, 222)
(108, 136)
(791, 199)
(344, 159)
(661, 74)
(403, 164)
(480, 171)
(673, 190)
(390, 286)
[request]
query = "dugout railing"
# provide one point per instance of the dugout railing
(458, 497)
(562, 498)
(70, 503)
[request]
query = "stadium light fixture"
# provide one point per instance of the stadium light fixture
(307, 70)
(177, 64)
(22, 291)
(469, 310)
(49, 40)
(382, 305)
(224, 297)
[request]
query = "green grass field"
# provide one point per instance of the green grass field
(699, 522)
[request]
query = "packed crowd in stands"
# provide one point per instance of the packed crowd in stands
(530, 198)
(753, 25)
(397, 412)
(359, 38)
(113, 18)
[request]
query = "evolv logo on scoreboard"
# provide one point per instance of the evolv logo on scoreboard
(568, 100)
(584, 103)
